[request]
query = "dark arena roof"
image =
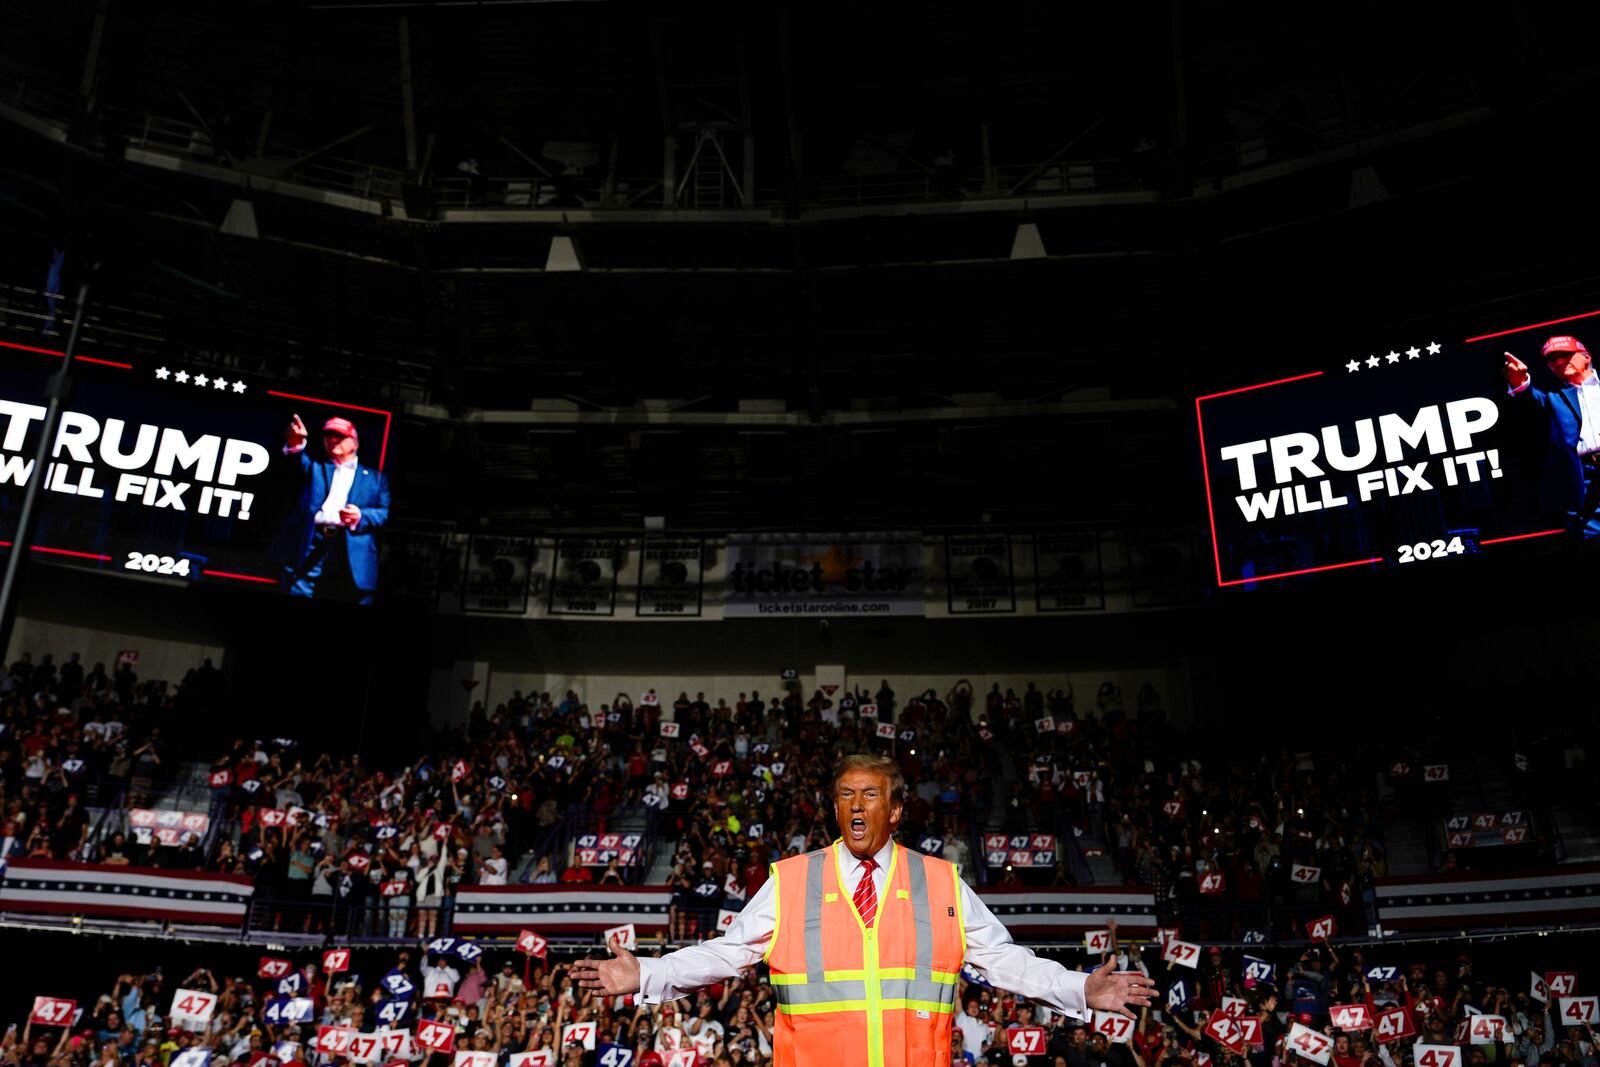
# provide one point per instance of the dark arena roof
(790, 233)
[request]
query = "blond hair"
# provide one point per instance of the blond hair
(867, 761)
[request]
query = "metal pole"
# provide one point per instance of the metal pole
(57, 391)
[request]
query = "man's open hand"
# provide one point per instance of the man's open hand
(615, 977)
(1108, 990)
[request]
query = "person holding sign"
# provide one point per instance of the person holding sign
(864, 940)
(325, 544)
(1568, 482)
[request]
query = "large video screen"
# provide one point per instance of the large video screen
(191, 475)
(1416, 452)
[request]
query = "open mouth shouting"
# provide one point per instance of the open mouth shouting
(866, 809)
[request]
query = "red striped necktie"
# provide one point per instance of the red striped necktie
(866, 898)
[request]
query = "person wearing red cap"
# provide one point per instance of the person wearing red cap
(326, 544)
(1569, 484)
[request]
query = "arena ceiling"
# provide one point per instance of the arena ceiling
(822, 304)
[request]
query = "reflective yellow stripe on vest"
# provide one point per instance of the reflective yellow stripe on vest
(873, 989)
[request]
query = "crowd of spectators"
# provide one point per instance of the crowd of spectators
(503, 1003)
(726, 784)
(73, 738)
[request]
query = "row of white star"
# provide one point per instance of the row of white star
(1393, 357)
(201, 380)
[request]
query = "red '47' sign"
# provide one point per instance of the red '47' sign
(334, 1040)
(1322, 929)
(440, 1037)
(52, 1011)
(1349, 1016)
(1026, 1041)
(1575, 1011)
(1561, 983)
(1225, 1030)
(1211, 882)
(1392, 1025)
(271, 967)
(531, 944)
(335, 960)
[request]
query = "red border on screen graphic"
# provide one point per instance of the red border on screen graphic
(1532, 326)
(1211, 511)
(1520, 537)
(383, 452)
(59, 355)
(62, 552)
(388, 416)
(1205, 466)
(238, 577)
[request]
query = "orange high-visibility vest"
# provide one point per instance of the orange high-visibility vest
(852, 995)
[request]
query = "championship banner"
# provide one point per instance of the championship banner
(508, 909)
(844, 575)
(1415, 452)
(497, 575)
(671, 577)
(136, 894)
(1068, 914)
(1068, 572)
(977, 574)
(585, 578)
(1567, 894)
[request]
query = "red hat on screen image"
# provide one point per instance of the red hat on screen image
(339, 424)
(1564, 343)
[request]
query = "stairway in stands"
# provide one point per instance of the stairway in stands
(1579, 832)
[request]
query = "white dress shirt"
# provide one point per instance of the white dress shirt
(344, 476)
(990, 950)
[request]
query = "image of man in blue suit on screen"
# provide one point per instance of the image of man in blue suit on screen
(326, 545)
(1570, 480)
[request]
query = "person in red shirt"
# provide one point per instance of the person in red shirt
(1148, 1039)
(1343, 1056)
(577, 873)
(755, 876)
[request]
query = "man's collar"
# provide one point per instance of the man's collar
(882, 856)
(353, 462)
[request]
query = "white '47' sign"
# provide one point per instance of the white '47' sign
(1314, 1046)
(1435, 1055)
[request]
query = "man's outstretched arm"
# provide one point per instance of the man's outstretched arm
(1011, 967)
(677, 974)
